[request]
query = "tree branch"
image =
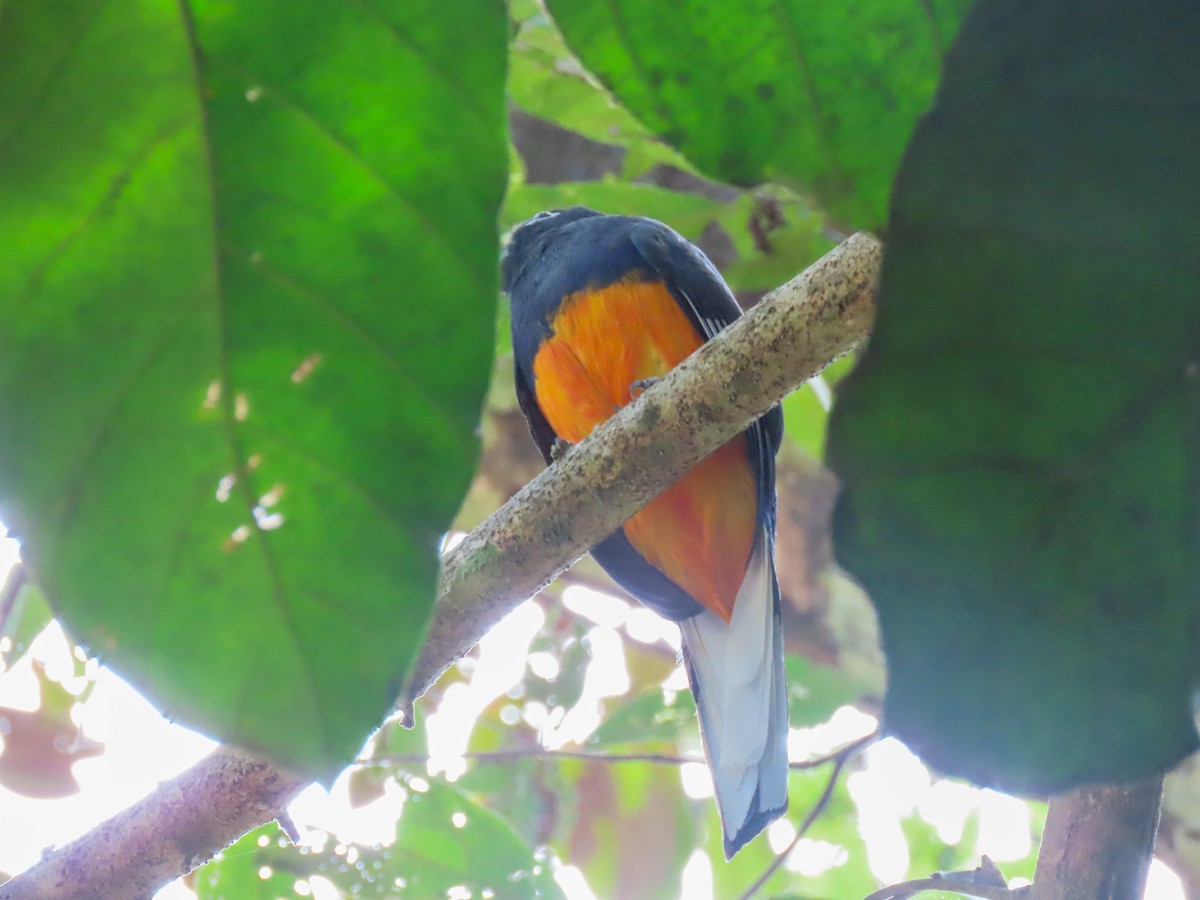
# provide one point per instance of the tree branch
(820, 315)
(167, 834)
(823, 313)
(1099, 841)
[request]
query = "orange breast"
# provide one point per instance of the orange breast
(699, 532)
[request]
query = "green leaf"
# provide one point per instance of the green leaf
(837, 825)
(545, 80)
(26, 619)
(434, 851)
(816, 692)
(818, 94)
(1020, 447)
(805, 418)
(525, 790)
(648, 719)
(928, 853)
(237, 872)
(444, 838)
(792, 246)
(248, 302)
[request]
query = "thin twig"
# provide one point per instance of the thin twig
(985, 882)
(10, 590)
(955, 882)
(839, 759)
(660, 759)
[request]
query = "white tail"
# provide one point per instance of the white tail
(736, 672)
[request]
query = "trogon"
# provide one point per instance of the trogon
(601, 306)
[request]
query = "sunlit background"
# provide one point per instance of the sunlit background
(140, 749)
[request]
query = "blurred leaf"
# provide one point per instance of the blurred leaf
(1024, 868)
(366, 784)
(431, 854)
(545, 80)
(817, 94)
(1019, 446)
(805, 418)
(851, 876)
(527, 792)
(248, 289)
(434, 853)
(26, 620)
(686, 213)
(633, 829)
(574, 655)
(237, 872)
(928, 853)
(647, 719)
(732, 878)
(816, 692)
(782, 252)
(393, 739)
(837, 825)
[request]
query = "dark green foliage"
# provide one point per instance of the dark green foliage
(1020, 447)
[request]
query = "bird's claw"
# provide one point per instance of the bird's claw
(639, 387)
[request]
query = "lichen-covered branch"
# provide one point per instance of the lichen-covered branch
(793, 334)
(165, 835)
(806, 324)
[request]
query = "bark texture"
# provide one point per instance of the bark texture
(1098, 842)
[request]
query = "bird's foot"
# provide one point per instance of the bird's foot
(642, 385)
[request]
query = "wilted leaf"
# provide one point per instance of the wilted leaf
(633, 829)
(39, 747)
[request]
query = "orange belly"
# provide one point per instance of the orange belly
(699, 532)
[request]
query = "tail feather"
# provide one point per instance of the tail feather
(736, 672)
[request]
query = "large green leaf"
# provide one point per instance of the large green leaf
(820, 94)
(1020, 447)
(247, 304)
(546, 81)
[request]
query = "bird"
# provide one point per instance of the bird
(601, 307)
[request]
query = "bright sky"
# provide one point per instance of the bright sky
(142, 748)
